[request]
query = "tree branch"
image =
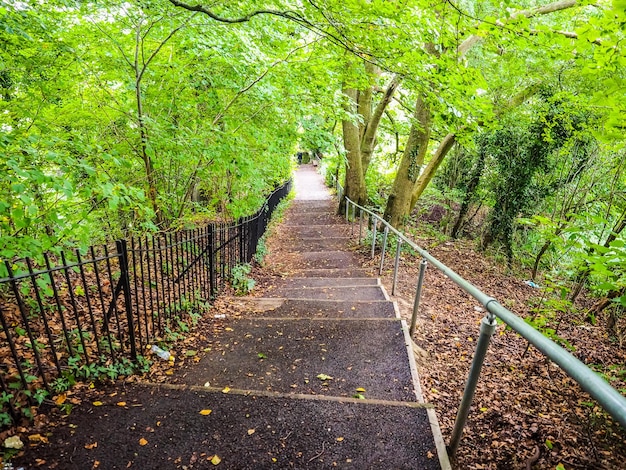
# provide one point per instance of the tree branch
(542, 10)
(220, 115)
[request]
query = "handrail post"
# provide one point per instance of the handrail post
(360, 224)
(395, 267)
(382, 255)
(418, 296)
(347, 210)
(487, 327)
(374, 235)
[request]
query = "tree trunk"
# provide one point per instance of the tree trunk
(399, 201)
(470, 193)
(143, 134)
(430, 170)
(354, 184)
(360, 139)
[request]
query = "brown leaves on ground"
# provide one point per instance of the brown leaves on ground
(524, 404)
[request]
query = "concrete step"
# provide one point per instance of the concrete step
(306, 282)
(287, 355)
(331, 273)
(324, 205)
(316, 231)
(245, 430)
(318, 244)
(329, 293)
(260, 307)
(312, 218)
(318, 260)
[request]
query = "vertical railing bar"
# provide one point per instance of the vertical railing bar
(384, 248)
(16, 356)
(70, 291)
(171, 295)
(161, 272)
(44, 317)
(122, 250)
(92, 318)
(212, 273)
(133, 251)
(396, 265)
(57, 300)
(105, 323)
(418, 296)
(29, 332)
(120, 331)
(375, 223)
(176, 271)
(487, 327)
(360, 224)
(145, 275)
(158, 276)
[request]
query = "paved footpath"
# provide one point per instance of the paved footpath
(319, 373)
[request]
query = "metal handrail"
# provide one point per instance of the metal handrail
(608, 397)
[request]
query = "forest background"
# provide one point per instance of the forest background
(499, 122)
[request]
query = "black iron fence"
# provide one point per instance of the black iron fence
(80, 313)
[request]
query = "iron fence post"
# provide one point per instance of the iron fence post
(211, 252)
(347, 211)
(382, 255)
(122, 251)
(395, 267)
(487, 327)
(418, 296)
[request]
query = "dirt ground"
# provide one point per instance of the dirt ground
(526, 413)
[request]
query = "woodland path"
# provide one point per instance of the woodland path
(315, 371)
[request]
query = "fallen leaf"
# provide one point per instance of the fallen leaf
(228, 329)
(324, 377)
(225, 390)
(121, 403)
(60, 399)
(142, 442)
(339, 439)
(205, 412)
(97, 403)
(91, 446)
(215, 460)
(360, 390)
(250, 432)
(35, 438)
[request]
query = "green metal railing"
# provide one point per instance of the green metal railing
(609, 398)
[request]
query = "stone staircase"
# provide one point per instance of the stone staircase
(316, 372)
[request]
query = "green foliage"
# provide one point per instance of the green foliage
(242, 284)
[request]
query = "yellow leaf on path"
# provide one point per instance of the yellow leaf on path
(60, 399)
(97, 403)
(226, 390)
(215, 460)
(121, 403)
(91, 446)
(339, 439)
(37, 438)
(360, 390)
(142, 442)
(251, 431)
(205, 412)
(228, 329)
